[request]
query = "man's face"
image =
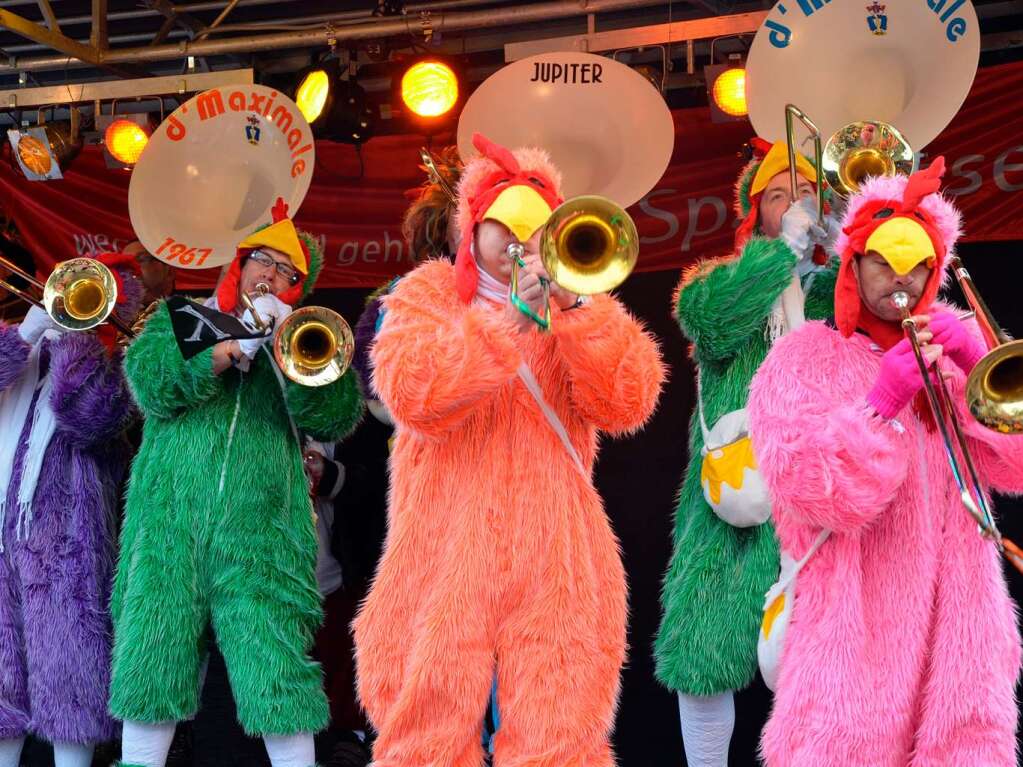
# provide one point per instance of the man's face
(492, 241)
(878, 281)
(776, 198)
(268, 266)
(157, 276)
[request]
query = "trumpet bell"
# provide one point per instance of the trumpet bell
(314, 346)
(589, 245)
(80, 294)
(863, 149)
(994, 389)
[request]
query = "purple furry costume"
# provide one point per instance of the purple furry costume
(55, 630)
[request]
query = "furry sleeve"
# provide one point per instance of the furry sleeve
(13, 355)
(827, 461)
(90, 397)
(615, 368)
(327, 413)
(164, 383)
(723, 302)
(436, 360)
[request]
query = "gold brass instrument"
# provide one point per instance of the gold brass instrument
(79, 294)
(313, 346)
(589, 245)
(994, 388)
(964, 471)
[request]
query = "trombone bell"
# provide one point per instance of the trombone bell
(863, 149)
(994, 389)
(314, 346)
(589, 245)
(80, 294)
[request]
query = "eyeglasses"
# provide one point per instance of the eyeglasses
(264, 259)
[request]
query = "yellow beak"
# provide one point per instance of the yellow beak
(521, 209)
(903, 243)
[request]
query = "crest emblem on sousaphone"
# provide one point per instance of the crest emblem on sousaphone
(213, 170)
(606, 128)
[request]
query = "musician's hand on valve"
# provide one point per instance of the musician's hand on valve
(960, 346)
(559, 296)
(37, 322)
(826, 235)
(313, 463)
(899, 380)
(270, 310)
(797, 225)
(531, 292)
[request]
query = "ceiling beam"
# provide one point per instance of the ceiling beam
(98, 34)
(106, 90)
(636, 37)
(49, 37)
(48, 15)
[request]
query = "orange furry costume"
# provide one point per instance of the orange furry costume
(499, 554)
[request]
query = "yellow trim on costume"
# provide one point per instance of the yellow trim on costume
(521, 209)
(903, 243)
(777, 161)
(281, 236)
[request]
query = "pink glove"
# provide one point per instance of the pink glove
(958, 343)
(898, 381)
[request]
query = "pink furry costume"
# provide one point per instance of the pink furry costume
(499, 554)
(902, 647)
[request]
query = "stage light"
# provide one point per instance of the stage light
(44, 151)
(312, 93)
(729, 92)
(726, 90)
(429, 88)
(125, 140)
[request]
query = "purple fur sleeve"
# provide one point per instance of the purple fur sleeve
(13, 355)
(365, 331)
(90, 397)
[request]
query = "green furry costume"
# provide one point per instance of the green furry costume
(713, 593)
(219, 532)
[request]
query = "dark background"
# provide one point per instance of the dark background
(638, 479)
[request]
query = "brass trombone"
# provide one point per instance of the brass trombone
(994, 381)
(313, 346)
(589, 245)
(79, 294)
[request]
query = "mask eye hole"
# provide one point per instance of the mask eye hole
(537, 182)
(920, 216)
(884, 213)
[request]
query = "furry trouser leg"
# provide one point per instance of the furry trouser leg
(65, 590)
(158, 628)
(14, 713)
(446, 672)
(707, 724)
(265, 608)
(559, 655)
(146, 745)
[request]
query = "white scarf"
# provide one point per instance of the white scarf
(489, 288)
(15, 404)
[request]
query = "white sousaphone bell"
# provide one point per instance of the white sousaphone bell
(607, 130)
(881, 80)
(209, 176)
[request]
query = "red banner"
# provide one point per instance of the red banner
(688, 214)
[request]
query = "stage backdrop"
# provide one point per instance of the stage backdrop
(688, 214)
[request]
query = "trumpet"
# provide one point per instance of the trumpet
(1005, 360)
(589, 245)
(313, 346)
(80, 294)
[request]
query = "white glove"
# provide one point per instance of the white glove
(37, 322)
(797, 224)
(827, 235)
(269, 308)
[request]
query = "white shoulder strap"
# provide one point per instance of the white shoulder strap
(533, 387)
